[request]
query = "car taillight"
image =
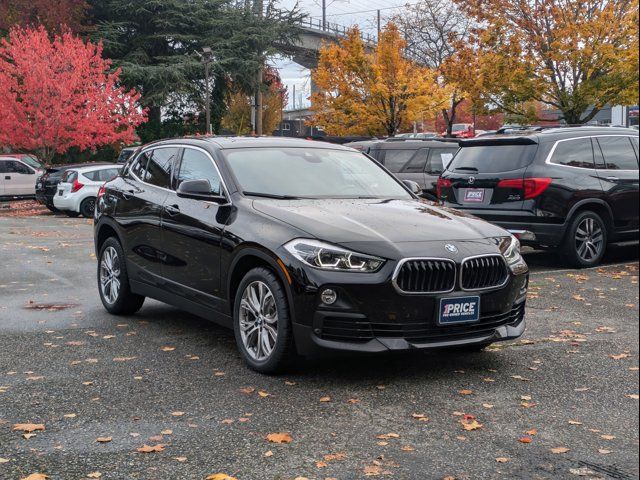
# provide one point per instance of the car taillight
(101, 191)
(532, 187)
(442, 183)
(76, 185)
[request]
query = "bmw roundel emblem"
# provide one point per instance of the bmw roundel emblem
(451, 248)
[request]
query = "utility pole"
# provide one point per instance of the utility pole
(258, 7)
(324, 14)
(379, 23)
(207, 57)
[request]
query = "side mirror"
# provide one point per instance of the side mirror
(413, 186)
(199, 190)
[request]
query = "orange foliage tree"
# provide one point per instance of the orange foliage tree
(379, 92)
(574, 56)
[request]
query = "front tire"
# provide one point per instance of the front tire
(261, 322)
(585, 242)
(113, 281)
(87, 207)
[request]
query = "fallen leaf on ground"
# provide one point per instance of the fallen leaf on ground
(620, 356)
(465, 392)
(151, 449)
(525, 440)
(559, 450)
(177, 414)
(268, 453)
(633, 396)
(28, 427)
(421, 417)
(608, 437)
(385, 436)
(321, 464)
(325, 399)
(220, 476)
(94, 475)
(502, 460)
(103, 439)
(168, 349)
(532, 432)
(470, 423)
(181, 459)
(604, 451)
(279, 437)
(263, 394)
(166, 432)
(247, 390)
(123, 359)
(407, 448)
(36, 476)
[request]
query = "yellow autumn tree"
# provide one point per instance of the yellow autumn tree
(238, 115)
(378, 92)
(574, 56)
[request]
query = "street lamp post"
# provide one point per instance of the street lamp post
(206, 59)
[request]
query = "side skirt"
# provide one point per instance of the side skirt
(181, 303)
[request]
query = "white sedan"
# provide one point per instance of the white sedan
(79, 187)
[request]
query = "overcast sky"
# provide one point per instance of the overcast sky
(344, 12)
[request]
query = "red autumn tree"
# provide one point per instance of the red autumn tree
(60, 94)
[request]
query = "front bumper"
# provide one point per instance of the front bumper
(374, 317)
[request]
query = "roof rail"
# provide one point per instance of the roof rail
(434, 139)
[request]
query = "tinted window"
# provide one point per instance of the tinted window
(11, 166)
(139, 166)
(417, 162)
(493, 158)
(159, 167)
(440, 157)
(101, 175)
(3, 166)
(92, 175)
(197, 165)
(574, 153)
(618, 153)
(395, 160)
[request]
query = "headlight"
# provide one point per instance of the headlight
(331, 257)
(510, 249)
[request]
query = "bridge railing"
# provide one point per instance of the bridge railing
(340, 30)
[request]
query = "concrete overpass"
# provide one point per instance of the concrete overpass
(313, 35)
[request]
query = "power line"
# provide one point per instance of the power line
(370, 11)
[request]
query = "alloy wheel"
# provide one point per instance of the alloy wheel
(258, 320)
(110, 275)
(589, 239)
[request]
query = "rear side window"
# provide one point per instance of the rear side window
(493, 158)
(3, 166)
(159, 167)
(618, 153)
(395, 160)
(197, 165)
(101, 175)
(439, 158)
(69, 176)
(576, 152)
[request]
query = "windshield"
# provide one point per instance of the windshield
(311, 173)
(460, 127)
(493, 158)
(32, 162)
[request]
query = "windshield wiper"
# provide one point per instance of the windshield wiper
(471, 169)
(271, 195)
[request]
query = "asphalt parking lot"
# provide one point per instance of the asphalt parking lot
(560, 403)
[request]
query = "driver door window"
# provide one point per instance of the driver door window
(197, 165)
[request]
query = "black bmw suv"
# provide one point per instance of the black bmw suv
(302, 247)
(573, 189)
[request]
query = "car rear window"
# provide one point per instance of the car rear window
(493, 158)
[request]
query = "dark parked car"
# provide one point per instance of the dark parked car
(421, 161)
(570, 188)
(125, 154)
(302, 247)
(47, 184)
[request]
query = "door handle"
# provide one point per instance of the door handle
(613, 179)
(7, 177)
(172, 209)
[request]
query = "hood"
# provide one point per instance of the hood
(378, 221)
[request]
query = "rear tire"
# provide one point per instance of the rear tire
(585, 241)
(262, 324)
(113, 281)
(87, 207)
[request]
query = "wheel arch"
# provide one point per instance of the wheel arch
(602, 208)
(104, 231)
(248, 258)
